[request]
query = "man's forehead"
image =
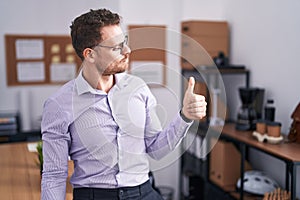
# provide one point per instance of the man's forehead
(113, 33)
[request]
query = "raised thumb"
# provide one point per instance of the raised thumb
(191, 85)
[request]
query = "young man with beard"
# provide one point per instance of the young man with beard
(105, 120)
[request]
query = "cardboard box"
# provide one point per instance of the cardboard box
(225, 164)
(202, 41)
(201, 27)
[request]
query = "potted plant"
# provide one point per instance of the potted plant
(39, 149)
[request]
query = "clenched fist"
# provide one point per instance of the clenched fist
(194, 105)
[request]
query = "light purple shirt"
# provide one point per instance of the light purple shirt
(108, 135)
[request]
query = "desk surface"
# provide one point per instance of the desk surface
(286, 151)
(20, 174)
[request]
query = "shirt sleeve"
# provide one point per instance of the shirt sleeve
(159, 141)
(56, 141)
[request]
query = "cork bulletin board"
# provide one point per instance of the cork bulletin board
(40, 59)
(148, 53)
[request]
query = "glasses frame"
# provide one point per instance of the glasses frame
(118, 47)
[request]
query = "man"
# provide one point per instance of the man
(105, 120)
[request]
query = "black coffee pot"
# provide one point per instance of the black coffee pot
(248, 112)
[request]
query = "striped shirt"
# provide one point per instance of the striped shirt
(109, 136)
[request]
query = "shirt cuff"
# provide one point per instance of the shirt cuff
(184, 117)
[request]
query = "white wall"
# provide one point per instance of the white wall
(265, 37)
(202, 10)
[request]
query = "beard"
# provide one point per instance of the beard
(118, 66)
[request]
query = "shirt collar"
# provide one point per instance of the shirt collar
(83, 86)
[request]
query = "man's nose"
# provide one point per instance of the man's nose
(125, 50)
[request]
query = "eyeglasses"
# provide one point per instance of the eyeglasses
(118, 47)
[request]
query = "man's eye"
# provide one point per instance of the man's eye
(117, 48)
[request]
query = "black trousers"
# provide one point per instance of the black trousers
(144, 191)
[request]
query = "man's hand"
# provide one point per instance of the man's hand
(194, 105)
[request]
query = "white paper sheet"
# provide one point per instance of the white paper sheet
(149, 71)
(60, 72)
(29, 49)
(30, 71)
(32, 147)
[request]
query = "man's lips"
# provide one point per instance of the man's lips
(125, 59)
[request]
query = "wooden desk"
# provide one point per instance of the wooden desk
(287, 152)
(20, 177)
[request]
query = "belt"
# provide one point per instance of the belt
(117, 193)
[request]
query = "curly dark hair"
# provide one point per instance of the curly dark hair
(85, 29)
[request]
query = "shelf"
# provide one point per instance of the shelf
(286, 152)
(232, 192)
(206, 71)
(194, 166)
(283, 151)
(236, 195)
(223, 70)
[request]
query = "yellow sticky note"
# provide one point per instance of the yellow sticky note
(55, 48)
(70, 58)
(55, 59)
(69, 48)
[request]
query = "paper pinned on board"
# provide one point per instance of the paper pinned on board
(149, 71)
(29, 49)
(31, 71)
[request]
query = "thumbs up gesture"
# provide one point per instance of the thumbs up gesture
(194, 105)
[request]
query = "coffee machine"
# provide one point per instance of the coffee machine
(251, 108)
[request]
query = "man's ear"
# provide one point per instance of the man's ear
(88, 54)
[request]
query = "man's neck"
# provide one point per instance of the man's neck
(98, 81)
(105, 83)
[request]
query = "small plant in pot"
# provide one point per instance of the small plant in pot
(39, 149)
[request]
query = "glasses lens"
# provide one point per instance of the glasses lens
(123, 43)
(126, 39)
(119, 47)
